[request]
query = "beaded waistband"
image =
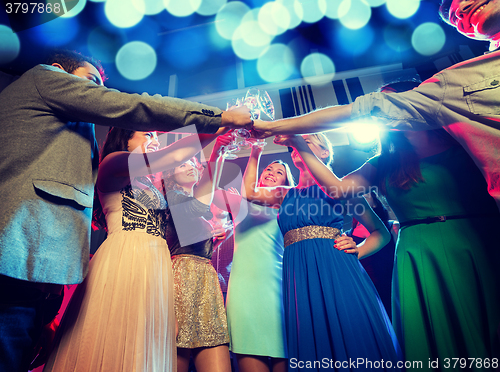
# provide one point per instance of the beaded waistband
(310, 232)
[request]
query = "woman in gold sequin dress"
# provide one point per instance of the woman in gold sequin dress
(199, 305)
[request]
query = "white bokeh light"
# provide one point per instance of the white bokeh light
(229, 17)
(136, 60)
(276, 64)
(357, 16)
(210, 7)
(274, 18)
(149, 7)
(375, 3)
(317, 68)
(182, 8)
(403, 8)
(314, 10)
(295, 11)
(122, 13)
(336, 8)
(428, 38)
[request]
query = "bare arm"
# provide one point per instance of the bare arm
(117, 168)
(317, 121)
(379, 235)
(250, 191)
(354, 184)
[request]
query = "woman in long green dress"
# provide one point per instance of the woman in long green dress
(446, 281)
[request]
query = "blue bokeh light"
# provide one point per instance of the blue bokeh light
(136, 60)
(317, 68)
(229, 18)
(10, 44)
(276, 64)
(357, 16)
(428, 38)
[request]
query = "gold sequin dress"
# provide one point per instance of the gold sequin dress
(199, 305)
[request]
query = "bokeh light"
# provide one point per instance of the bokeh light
(210, 7)
(122, 13)
(336, 8)
(182, 8)
(403, 8)
(136, 60)
(148, 7)
(317, 68)
(10, 44)
(314, 10)
(76, 10)
(274, 18)
(375, 3)
(249, 40)
(357, 16)
(428, 38)
(229, 18)
(276, 64)
(295, 11)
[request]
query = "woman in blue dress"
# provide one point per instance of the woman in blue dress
(334, 318)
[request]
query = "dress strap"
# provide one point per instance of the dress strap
(310, 232)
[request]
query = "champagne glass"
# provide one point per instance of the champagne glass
(257, 101)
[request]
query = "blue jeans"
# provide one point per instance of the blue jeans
(24, 311)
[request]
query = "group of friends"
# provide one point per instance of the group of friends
(298, 297)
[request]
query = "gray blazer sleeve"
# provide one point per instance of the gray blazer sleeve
(78, 99)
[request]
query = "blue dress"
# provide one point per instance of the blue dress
(333, 314)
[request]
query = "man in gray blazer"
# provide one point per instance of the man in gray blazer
(48, 166)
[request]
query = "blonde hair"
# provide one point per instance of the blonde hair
(322, 141)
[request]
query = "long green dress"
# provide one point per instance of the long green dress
(446, 283)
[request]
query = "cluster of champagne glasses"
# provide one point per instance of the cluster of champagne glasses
(258, 101)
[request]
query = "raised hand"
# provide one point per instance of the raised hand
(286, 139)
(237, 118)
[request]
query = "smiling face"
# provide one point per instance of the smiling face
(273, 175)
(476, 19)
(147, 141)
(186, 175)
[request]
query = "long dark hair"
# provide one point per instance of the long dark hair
(399, 164)
(116, 140)
(168, 177)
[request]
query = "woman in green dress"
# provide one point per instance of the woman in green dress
(446, 281)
